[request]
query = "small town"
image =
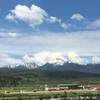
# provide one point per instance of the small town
(67, 87)
(75, 91)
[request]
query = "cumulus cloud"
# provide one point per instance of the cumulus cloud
(77, 17)
(64, 25)
(44, 57)
(49, 57)
(75, 58)
(59, 58)
(53, 19)
(33, 16)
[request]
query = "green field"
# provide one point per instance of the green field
(40, 95)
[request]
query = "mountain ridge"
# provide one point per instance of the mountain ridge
(41, 58)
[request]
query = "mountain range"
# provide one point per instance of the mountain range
(52, 68)
(59, 61)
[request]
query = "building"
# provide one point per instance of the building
(70, 86)
(64, 87)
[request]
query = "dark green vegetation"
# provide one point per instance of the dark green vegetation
(16, 79)
(10, 77)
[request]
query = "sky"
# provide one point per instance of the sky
(30, 26)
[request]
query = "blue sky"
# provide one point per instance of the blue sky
(62, 9)
(28, 26)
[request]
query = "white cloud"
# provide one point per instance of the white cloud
(57, 58)
(77, 17)
(7, 60)
(4, 34)
(75, 58)
(33, 59)
(12, 34)
(44, 57)
(49, 57)
(10, 17)
(66, 26)
(53, 19)
(94, 25)
(34, 15)
(80, 41)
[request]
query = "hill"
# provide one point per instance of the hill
(28, 77)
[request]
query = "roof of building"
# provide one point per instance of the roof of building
(64, 85)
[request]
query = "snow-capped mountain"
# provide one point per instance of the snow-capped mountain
(35, 60)
(45, 57)
(56, 58)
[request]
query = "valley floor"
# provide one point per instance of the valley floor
(30, 95)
